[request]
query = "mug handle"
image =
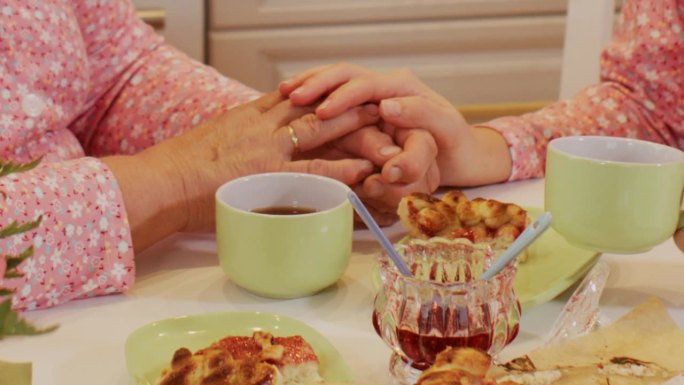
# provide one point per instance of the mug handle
(680, 225)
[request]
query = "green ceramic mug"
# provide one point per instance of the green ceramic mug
(612, 194)
(279, 254)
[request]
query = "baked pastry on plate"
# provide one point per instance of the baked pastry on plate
(455, 216)
(240, 360)
(645, 347)
(458, 366)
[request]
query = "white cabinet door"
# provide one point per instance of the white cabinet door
(271, 13)
(481, 60)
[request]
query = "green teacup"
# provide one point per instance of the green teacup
(614, 194)
(279, 254)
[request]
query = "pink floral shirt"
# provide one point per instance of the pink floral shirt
(80, 79)
(641, 94)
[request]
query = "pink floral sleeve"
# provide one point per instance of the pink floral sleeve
(86, 78)
(641, 94)
(82, 247)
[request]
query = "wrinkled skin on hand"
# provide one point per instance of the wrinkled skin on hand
(254, 138)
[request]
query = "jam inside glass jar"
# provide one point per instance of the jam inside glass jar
(443, 304)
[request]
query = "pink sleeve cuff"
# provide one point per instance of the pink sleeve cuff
(526, 153)
(82, 247)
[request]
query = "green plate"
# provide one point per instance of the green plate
(552, 266)
(150, 348)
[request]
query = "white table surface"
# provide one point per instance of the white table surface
(180, 276)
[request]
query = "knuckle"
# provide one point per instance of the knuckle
(349, 68)
(350, 65)
(316, 166)
(431, 143)
(423, 104)
(412, 173)
(406, 73)
(362, 117)
(343, 64)
(311, 123)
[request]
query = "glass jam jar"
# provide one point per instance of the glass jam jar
(444, 303)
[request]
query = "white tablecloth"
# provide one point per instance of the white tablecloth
(180, 276)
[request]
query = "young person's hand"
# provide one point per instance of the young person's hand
(465, 155)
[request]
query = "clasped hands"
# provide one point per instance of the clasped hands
(419, 142)
(434, 144)
(384, 134)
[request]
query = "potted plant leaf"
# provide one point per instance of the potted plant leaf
(11, 322)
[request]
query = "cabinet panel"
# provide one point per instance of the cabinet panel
(270, 13)
(468, 61)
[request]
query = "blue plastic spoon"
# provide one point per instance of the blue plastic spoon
(379, 235)
(528, 236)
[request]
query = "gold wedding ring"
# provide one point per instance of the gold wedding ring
(293, 138)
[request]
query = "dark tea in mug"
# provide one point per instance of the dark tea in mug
(284, 210)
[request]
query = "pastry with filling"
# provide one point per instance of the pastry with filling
(455, 216)
(618, 371)
(217, 367)
(643, 347)
(293, 356)
(458, 366)
(241, 360)
(468, 366)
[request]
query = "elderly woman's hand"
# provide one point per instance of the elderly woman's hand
(464, 155)
(182, 174)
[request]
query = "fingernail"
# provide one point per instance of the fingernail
(286, 82)
(390, 108)
(366, 167)
(389, 150)
(298, 91)
(394, 174)
(324, 105)
(375, 189)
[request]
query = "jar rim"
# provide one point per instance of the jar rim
(506, 274)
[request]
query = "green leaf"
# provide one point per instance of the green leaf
(14, 260)
(13, 274)
(15, 228)
(11, 324)
(10, 167)
(10, 321)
